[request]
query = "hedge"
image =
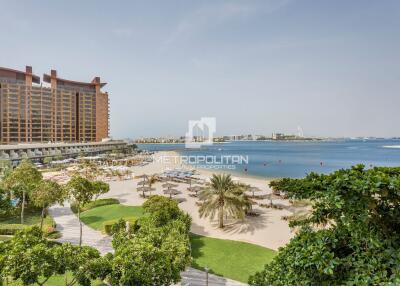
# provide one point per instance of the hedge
(95, 204)
(11, 229)
(108, 225)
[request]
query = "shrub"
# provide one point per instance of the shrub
(112, 226)
(53, 235)
(11, 229)
(95, 204)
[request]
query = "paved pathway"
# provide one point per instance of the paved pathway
(68, 225)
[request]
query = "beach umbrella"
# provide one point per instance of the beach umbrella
(254, 189)
(271, 196)
(142, 183)
(195, 189)
(171, 192)
(143, 176)
(144, 190)
(169, 185)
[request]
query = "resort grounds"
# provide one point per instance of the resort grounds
(236, 251)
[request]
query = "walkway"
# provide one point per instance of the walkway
(68, 225)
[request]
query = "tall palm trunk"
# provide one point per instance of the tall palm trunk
(23, 207)
(80, 226)
(221, 216)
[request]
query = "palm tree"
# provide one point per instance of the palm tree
(223, 197)
(151, 180)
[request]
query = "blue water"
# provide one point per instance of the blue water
(274, 159)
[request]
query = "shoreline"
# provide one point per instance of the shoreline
(233, 173)
(268, 229)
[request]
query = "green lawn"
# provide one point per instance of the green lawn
(31, 217)
(97, 216)
(227, 258)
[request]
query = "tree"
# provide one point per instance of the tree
(28, 257)
(162, 210)
(100, 188)
(84, 263)
(224, 197)
(159, 249)
(352, 236)
(47, 193)
(33, 260)
(5, 203)
(23, 180)
(81, 191)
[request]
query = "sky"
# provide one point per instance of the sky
(330, 67)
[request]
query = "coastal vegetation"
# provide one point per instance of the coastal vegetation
(154, 252)
(24, 199)
(30, 259)
(227, 258)
(352, 235)
(21, 182)
(81, 191)
(223, 198)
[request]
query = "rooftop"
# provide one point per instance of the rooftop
(18, 75)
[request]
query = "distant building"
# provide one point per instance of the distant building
(68, 111)
(278, 136)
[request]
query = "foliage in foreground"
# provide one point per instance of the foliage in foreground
(21, 182)
(33, 260)
(156, 250)
(151, 252)
(352, 236)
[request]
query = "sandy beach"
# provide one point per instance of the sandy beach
(268, 229)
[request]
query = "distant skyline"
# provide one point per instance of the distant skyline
(331, 67)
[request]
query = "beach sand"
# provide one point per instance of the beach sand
(268, 229)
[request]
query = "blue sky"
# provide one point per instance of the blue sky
(331, 67)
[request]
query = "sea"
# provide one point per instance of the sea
(295, 159)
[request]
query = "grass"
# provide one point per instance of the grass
(31, 217)
(95, 204)
(227, 258)
(97, 216)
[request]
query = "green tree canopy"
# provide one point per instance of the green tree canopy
(352, 236)
(30, 258)
(5, 203)
(47, 193)
(81, 190)
(163, 210)
(100, 188)
(22, 181)
(157, 251)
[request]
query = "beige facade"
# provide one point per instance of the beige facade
(68, 111)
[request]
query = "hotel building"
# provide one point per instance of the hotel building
(67, 111)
